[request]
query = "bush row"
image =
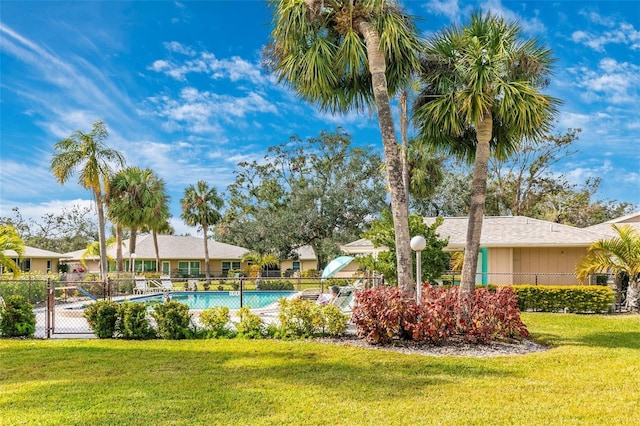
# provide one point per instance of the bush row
(575, 299)
(131, 320)
(384, 314)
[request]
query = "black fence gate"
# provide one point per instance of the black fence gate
(64, 306)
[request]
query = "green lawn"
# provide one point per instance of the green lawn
(591, 376)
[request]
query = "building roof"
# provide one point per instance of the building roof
(515, 231)
(179, 247)
(605, 228)
(305, 253)
(361, 246)
(35, 253)
(500, 231)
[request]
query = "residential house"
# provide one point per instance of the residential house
(181, 256)
(514, 249)
(36, 260)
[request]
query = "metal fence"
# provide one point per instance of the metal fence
(59, 305)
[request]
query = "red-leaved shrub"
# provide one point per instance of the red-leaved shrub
(384, 313)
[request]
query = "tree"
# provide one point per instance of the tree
(137, 198)
(320, 192)
(434, 260)
(200, 207)
(87, 154)
(450, 198)
(10, 241)
(259, 261)
(482, 92)
(618, 255)
(71, 229)
(344, 55)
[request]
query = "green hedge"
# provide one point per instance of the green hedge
(575, 299)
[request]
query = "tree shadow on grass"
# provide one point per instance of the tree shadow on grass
(613, 340)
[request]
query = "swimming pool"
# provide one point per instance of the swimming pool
(211, 299)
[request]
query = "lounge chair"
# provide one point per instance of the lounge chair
(165, 283)
(344, 298)
(192, 285)
(141, 286)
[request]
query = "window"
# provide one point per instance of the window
(296, 265)
(48, 265)
(142, 265)
(165, 268)
(228, 265)
(188, 268)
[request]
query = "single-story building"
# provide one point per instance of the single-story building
(181, 256)
(514, 249)
(36, 260)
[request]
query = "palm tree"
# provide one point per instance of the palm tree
(350, 54)
(200, 206)
(618, 255)
(137, 198)
(482, 92)
(87, 154)
(93, 249)
(260, 261)
(162, 228)
(10, 241)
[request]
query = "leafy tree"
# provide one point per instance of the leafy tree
(87, 154)
(319, 192)
(137, 198)
(526, 184)
(344, 55)
(200, 207)
(482, 91)
(71, 229)
(618, 255)
(434, 260)
(10, 241)
(450, 198)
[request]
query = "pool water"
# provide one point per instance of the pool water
(211, 299)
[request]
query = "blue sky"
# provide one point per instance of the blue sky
(181, 89)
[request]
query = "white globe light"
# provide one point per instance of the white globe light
(418, 243)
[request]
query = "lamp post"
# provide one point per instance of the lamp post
(133, 265)
(418, 243)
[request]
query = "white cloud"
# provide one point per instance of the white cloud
(614, 82)
(621, 33)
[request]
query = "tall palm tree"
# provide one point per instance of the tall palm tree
(620, 254)
(10, 241)
(93, 249)
(137, 198)
(200, 207)
(482, 92)
(350, 54)
(87, 154)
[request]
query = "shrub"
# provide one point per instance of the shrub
(102, 317)
(382, 314)
(439, 315)
(494, 316)
(576, 299)
(250, 325)
(172, 319)
(335, 322)
(17, 318)
(216, 320)
(299, 318)
(276, 285)
(132, 321)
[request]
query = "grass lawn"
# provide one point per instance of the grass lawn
(591, 376)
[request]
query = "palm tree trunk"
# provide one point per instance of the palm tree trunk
(101, 237)
(132, 246)
(404, 135)
(207, 268)
(393, 162)
(157, 250)
(119, 262)
(476, 210)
